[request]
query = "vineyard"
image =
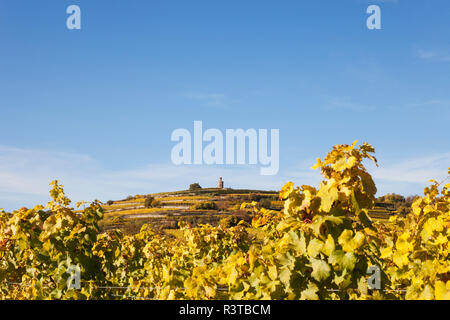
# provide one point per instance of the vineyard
(319, 245)
(166, 211)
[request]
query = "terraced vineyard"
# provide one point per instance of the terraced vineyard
(180, 206)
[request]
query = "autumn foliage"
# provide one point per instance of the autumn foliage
(319, 246)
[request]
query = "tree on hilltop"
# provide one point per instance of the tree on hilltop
(194, 186)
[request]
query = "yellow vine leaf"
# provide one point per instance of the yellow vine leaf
(321, 269)
(286, 190)
(442, 290)
(349, 242)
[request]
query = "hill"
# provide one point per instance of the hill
(214, 206)
(167, 209)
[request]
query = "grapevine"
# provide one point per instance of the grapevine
(319, 246)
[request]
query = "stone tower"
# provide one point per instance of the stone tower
(220, 184)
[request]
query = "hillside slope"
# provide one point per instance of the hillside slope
(203, 206)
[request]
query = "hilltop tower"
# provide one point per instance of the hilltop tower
(220, 184)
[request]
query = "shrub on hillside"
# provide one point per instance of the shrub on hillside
(264, 203)
(151, 202)
(254, 197)
(206, 206)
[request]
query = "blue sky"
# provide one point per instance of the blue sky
(95, 107)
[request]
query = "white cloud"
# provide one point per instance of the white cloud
(431, 103)
(411, 175)
(433, 55)
(425, 104)
(418, 170)
(25, 175)
(346, 103)
(207, 99)
(24, 170)
(386, 1)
